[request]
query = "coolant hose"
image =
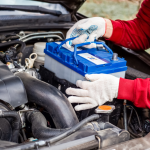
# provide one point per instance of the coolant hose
(32, 145)
(15, 123)
(23, 45)
(39, 125)
(51, 99)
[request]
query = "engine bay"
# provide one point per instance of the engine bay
(35, 112)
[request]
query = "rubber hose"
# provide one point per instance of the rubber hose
(39, 125)
(74, 129)
(15, 124)
(51, 99)
(32, 145)
(23, 45)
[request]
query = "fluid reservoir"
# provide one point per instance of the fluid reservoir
(39, 50)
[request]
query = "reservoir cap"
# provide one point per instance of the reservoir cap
(105, 109)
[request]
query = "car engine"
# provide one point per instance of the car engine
(35, 112)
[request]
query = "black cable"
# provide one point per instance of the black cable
(137, 116)
(130, 116)
(133, 129)
(73, 129)
(136, 135)
(23, 45)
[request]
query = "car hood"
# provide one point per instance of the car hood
(71, 5)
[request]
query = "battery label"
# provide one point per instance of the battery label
(92, 59)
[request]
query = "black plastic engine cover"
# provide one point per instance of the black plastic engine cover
(12, 89)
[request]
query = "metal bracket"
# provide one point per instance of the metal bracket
(22, 117)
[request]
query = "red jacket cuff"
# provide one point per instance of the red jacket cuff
(118, 32)
(126, 89)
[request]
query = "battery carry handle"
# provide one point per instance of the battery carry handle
(63, 42)
(82, 44)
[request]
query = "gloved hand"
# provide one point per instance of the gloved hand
(102, 88)
(88, 30)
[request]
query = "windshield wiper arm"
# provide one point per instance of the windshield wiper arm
(30, 9)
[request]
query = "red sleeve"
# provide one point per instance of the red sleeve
(133, 34)
(136, 91)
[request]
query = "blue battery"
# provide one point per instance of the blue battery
(73, 63)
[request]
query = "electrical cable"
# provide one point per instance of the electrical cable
(137, 116)
(129, 122)
(23, 45)
(73, 129)
(130, 116)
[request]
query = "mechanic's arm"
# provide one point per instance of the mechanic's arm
(137, 91)
(133, 34)
(103, 87)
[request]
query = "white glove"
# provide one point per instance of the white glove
(102, 88)
(88, 30)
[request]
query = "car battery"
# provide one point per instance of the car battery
(73, 63)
